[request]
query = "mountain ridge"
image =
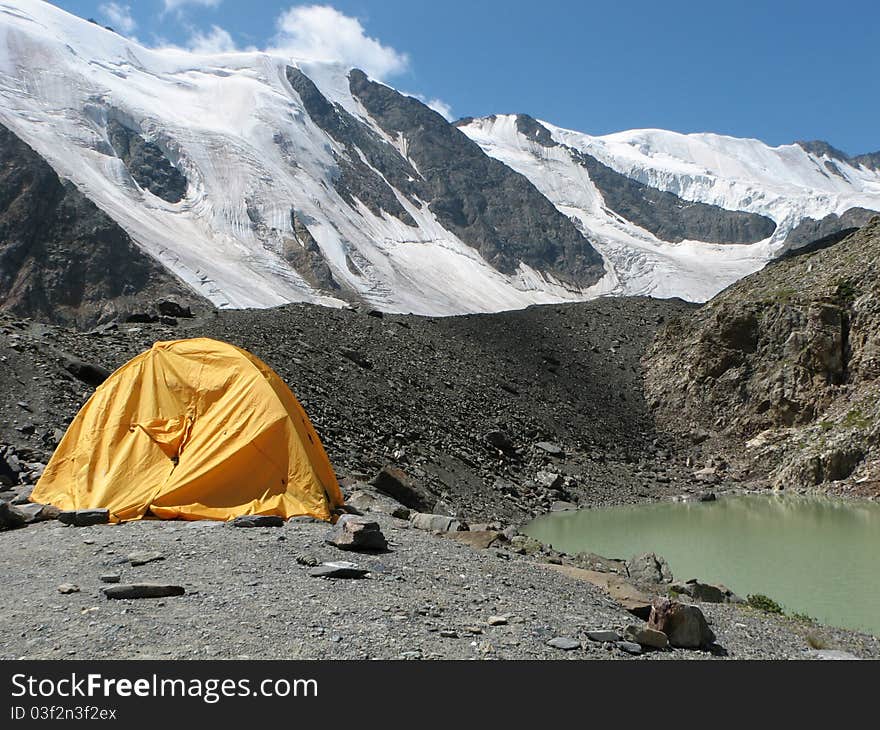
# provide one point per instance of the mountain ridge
(327, 187)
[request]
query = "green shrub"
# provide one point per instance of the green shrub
(847, 291)
(764, 603)
(804, 617)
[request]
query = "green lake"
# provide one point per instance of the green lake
(814, 556)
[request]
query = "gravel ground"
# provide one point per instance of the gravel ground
(248, 597)
(418, 393)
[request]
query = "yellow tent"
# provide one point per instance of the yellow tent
(193, 429)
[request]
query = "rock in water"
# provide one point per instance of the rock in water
(143, 590)
(685, 625)
(338, 570)
(85, 517)
(257, 521)
(356, 533)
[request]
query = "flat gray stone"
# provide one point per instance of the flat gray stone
(630, 647)
(550, 448)
(143, 590)
(434, 523)
(603, 635)
(85, 517)
(111, 578)
(566, 643)
(339, 569)
(143, 557)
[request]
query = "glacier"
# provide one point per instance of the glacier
(232, 123)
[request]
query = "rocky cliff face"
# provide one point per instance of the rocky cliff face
(485, 203)
(664, 214)
(781, 372)
(62, 259)
(149, 166)
(830, 229)
(871, 160)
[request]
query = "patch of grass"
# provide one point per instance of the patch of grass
(783, 295)
(764, 603)
(856, 419)
(826, 425)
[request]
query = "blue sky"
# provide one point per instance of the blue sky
(778, 70)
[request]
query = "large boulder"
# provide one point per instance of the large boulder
(368, 500)
(683, 624)
(357, 534)
(648, 568)
(396, 484)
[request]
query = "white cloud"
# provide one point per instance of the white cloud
(442, 108)
(322, 33)
(217, 40)
(119, 16)
(177, 4)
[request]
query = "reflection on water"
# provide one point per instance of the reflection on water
(815, 556)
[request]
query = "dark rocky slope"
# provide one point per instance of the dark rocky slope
(62, 259)
(485, 203)
(147, 163)
(664, 214)
(812, 234)
(494, 415)
(779, 373)
(819, 147)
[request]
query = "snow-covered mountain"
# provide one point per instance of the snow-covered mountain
(295, 188)
(685, 215)
(258, 180)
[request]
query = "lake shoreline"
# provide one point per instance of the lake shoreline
(719, 552)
